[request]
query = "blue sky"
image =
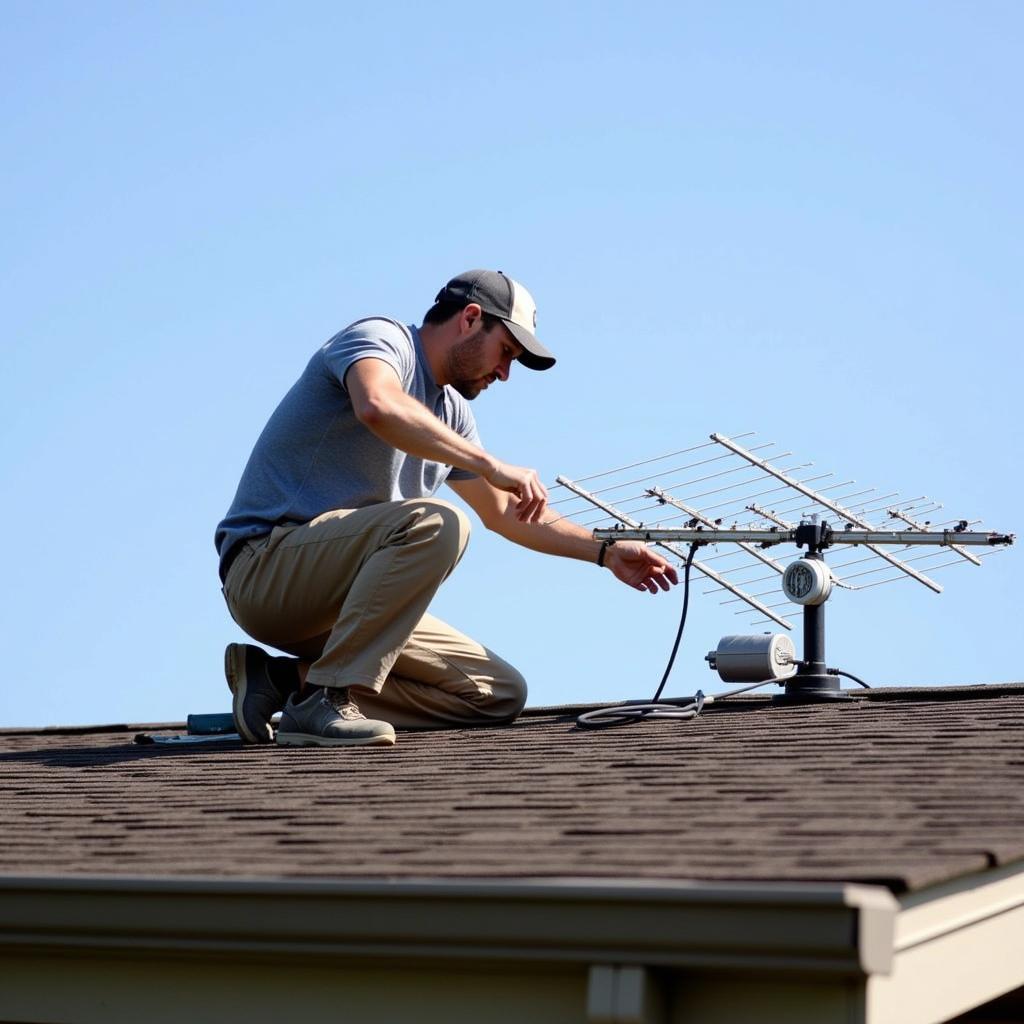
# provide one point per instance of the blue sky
(802, 220)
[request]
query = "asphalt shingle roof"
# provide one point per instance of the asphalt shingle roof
(906, 788)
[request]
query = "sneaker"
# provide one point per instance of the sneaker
(261, 685)
(330, 718)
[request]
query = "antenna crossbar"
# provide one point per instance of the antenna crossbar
(657, 492)
(844, 513)
(724, 493)
(767, 538)
(895, 513)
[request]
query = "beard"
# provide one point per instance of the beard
(465, 369)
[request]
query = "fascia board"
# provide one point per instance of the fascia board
(827, 928)
(956, 946)
(931, 913)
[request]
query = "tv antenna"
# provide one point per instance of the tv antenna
(724, 494)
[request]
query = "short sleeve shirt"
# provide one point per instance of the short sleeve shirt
(314, 455)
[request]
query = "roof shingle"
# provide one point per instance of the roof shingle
(906, 788)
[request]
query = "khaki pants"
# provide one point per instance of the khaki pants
(349, 591)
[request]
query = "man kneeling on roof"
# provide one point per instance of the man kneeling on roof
(335, 545)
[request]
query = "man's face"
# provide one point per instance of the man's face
(480, 358)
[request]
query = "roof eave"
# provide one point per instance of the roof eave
(823, 928)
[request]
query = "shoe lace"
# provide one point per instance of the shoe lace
(342, 703)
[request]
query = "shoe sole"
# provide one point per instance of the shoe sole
(303, 739)
(234, 672)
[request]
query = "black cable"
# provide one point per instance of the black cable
(635, 711)
(681, 708)
(849, 675)
(682, 622)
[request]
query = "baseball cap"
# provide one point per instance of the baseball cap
(496, 293)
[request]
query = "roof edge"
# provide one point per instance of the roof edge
(821, 928)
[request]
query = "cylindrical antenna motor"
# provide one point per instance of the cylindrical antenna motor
(807, 581)
(749, 659)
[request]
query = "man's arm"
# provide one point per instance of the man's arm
(382, 406)
(633, 563)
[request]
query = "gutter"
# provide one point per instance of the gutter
(826, 929)
(917, 960)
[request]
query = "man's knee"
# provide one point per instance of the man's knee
(507, 697)
(445, 525)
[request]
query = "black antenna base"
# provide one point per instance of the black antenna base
(813, 683)
(812, 688)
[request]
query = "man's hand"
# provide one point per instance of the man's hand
(524, 484)
(639, 566)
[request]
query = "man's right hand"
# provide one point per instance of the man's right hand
(525, 484)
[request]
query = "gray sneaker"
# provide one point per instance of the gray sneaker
(330, 718)
(261, 685)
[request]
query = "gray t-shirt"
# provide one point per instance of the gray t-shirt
(314, 455)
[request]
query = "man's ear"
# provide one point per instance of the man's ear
(469, 317)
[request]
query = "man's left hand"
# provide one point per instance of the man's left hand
(640, 567)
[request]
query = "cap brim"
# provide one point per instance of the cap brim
(535, 356)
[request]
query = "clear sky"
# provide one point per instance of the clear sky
(799, 219)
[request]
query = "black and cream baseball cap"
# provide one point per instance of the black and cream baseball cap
(498, 294)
